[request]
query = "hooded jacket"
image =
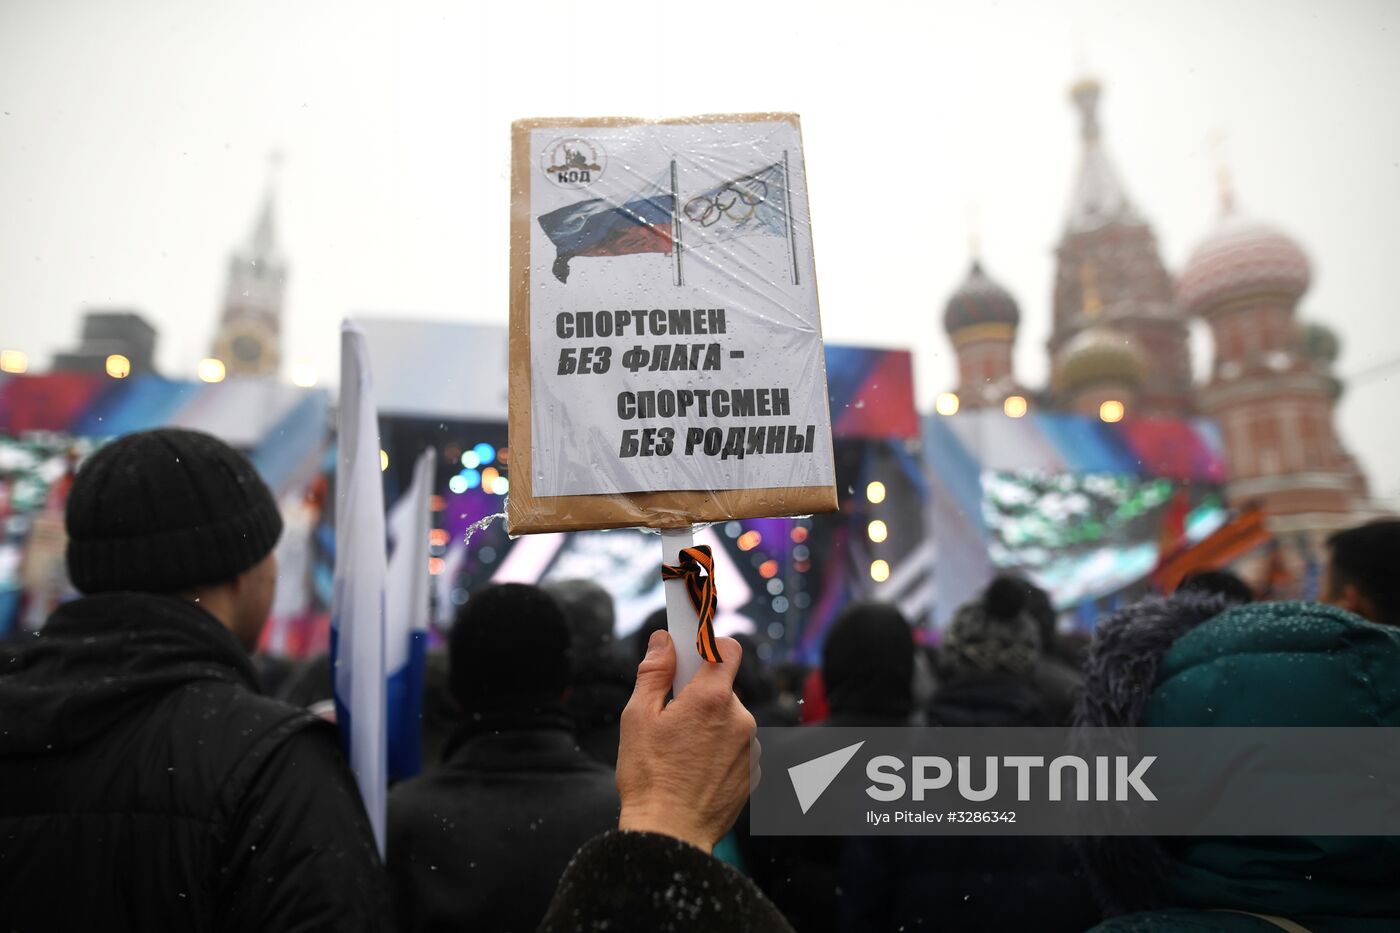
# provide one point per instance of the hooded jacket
(147, 785)
(1184, 662)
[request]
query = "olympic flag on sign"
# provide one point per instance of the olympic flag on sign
(750, 204)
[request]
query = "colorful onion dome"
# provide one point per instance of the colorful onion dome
(1319, 343)
(1242, 257)
(1099, 355)
(980, 300)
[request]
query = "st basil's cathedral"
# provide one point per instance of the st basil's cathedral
(1119, 346)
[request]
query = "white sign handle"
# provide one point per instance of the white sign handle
(681, 619)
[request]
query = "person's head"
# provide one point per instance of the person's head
(979, 642)
(509, 648)
(1220, 583)
(1008, 596)
(1361, 575)
(181, 513)
(868, 661)
(589, 611)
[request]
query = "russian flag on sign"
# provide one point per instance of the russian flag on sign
(602, 227)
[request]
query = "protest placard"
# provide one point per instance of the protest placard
(666, 362)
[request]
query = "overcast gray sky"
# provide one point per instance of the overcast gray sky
(134, 140)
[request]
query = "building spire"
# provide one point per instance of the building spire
(1085, 94)
(1099, 198)
(248, 338)
(1224, 182)
(264, 239)
(974, 240)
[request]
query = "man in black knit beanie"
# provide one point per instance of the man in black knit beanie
(148, 783)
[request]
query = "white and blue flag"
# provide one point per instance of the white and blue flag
(357, 597)
(407, 607)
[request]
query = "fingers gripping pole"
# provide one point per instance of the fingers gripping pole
(682, 621)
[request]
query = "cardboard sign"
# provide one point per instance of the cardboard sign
(666, 363)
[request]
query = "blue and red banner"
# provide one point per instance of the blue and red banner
(871, 392)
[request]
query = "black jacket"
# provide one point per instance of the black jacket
(968, 883)
(595, 704)
(644, 882)
(802, 874)
(480, 843)
(146, 785)
(1003, 700)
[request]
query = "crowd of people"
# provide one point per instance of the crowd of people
(150, 781)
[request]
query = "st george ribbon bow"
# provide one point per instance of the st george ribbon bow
(697, 569)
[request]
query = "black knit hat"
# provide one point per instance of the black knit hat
(166, 510)
(979, 642)
(509, 647)
(868, 661)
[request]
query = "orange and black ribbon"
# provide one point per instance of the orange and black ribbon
(697, 569)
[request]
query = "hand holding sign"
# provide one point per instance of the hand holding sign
(683, 768)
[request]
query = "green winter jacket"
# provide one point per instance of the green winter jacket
(1278, 664)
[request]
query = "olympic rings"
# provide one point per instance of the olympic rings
(749, 191)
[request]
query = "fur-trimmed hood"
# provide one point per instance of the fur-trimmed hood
(1161, 662)
(1121, 670)
(1129, 872)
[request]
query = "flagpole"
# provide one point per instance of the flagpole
(682, 621)
(787, 199)
(676, 223)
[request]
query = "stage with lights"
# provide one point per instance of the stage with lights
(930, 508)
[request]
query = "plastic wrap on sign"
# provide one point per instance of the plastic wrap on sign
(666, 363)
